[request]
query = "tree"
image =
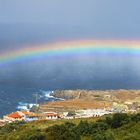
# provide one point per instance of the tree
(136, 117)
(119, 119)
(83, 128)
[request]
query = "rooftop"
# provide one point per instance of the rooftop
(15, 115)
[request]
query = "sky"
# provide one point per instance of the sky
(70, 12)
(77, 18)
(25, 22)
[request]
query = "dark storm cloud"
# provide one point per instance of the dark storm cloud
(52, 19)
(35, 21)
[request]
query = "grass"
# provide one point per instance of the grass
(44, 124)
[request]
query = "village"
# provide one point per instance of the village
(97, 104)
(27, 115)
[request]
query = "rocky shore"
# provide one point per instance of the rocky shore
(114, 95)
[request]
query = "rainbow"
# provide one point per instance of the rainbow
(65, 48)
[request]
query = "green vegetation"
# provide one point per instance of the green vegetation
(110, 127)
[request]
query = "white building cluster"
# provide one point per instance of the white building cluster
(86, 113)
(91, 113)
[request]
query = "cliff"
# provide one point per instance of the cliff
(112, 95)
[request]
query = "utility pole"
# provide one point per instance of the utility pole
(36, 98)
(36, 101)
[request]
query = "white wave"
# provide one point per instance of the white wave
(47, 95)
(25, 106)
(42, 94)
(22, 108)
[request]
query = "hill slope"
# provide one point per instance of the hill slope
(116, 127)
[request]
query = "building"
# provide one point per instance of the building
(20, 116)
(119, 107)
(50, 115)
(2, 122)
(14, 116)
(91, 113)
(30, 116)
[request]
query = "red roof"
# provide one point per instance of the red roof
(33, 115)
(20, 114)
(50, 114)
(14, 115)
(25, 112)
(30, 114)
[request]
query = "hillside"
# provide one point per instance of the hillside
(116, 127)
(121, 94)
(89, 99)
(75, 104)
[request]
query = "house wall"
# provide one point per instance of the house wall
(51, 117)
(12, 119)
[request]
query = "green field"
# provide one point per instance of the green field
(112, 127)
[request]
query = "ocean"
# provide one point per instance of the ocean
(12, 99)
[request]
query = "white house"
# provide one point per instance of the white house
(91, 113)
(50, 115)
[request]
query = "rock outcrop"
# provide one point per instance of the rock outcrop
(111, 95)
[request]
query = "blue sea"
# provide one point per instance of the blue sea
(12, 99)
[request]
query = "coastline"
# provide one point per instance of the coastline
(93, 99)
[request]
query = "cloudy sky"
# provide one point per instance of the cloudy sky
(73, 18)
(35, 21)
